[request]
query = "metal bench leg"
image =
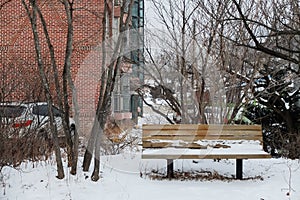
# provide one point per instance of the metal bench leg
(170, 168)
(239, 169)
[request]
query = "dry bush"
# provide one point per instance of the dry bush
(281, 143)
(291, 146)
(15, 150)
(118, 135)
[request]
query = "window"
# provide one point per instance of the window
(135, 22)
(11, 111)
(117, 2)
(42, 110)
(55, 111)
(135, 9)
(141, 4)
(126, 103)
(125, 84)
(116, 103)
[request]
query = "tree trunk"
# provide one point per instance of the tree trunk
(33, 20)
(75, 152)
(90, 147)
(66, 74)
(108, 80)
(96, 172)
(96, 127)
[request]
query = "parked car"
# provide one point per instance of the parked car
(19, 119)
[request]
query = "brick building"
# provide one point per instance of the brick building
(18, 68)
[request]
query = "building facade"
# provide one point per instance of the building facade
(126, 102)
(19, 75)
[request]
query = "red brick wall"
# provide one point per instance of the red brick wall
(18, 73)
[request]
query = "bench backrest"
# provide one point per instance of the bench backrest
(187, 135)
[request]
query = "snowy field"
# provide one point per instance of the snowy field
(126, 177)
(123, 177)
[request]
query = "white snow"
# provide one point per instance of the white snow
(237, 150)
(235, 147)
(121, 180)
(124, 177)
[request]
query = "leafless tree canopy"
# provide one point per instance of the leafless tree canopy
(253, 46)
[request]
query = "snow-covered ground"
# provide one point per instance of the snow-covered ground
(124, 176)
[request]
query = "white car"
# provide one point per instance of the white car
(19, 119)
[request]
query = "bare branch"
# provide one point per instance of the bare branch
(258, 45)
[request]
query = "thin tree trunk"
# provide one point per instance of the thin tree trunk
(66, 77)
(104, 102)
(96, 173)
(33, 20)
(96, 126)
(72, 152)
(88, 155)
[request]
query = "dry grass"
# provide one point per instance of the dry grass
(202, 175)
(13, 151)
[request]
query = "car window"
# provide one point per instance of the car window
(11, 111)
(42, 110)
(56, 112)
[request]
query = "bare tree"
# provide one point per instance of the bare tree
(168, 67)
(32, 14)
(187, 63)
(282, 42)
(68, 83)
(260, 50)
(62, 96)
(266, 32)
(110, 70)
(270, 33)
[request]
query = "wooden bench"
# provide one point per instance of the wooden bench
(194, 141)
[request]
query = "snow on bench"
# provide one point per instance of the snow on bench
(194, 141)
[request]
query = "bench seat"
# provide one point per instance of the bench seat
(209, 150)
(192, 141)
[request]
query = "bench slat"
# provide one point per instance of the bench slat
(205, 156)
(196, 138)
(200, 127)
(188, 136)
(194, 132)
(194, 141)
(200, 132)
(149, 144)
